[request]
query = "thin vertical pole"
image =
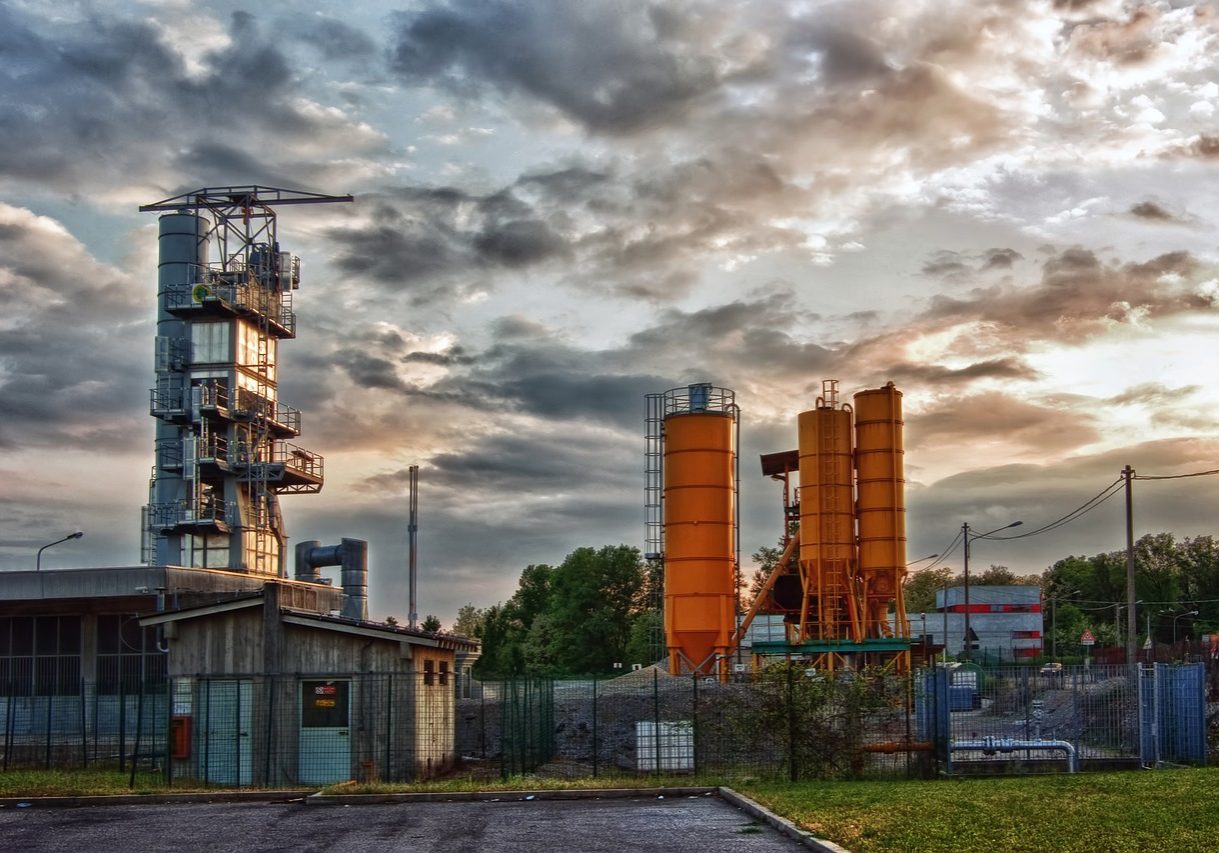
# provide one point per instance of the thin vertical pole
(694, 730)
(122, 718)
(792, 769)
(84, 735)
(270, 688)
(594, 727)
(968, 642)
(50, 704)
(656, 717)
(1131, 623)
(139, 725)
(9, 726)
(412, 529)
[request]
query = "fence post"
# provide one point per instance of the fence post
(139, 726)
(694, 730)
(169, 732)
(84, 735)
(388, 772)
(594, 727)
(793, 769)
(656, 716)
(10, 726)
(122, 721)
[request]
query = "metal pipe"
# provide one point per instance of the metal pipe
(992, 745)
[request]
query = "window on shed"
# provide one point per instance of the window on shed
(444, 672)
(429, 672)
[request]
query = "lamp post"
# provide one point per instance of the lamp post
(969, 537)
(1175, 617)
(38, 558)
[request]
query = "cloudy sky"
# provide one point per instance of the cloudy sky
(1008, 208)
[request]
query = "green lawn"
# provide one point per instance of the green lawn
(1169, 810)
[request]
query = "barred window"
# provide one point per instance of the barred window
(40, 655)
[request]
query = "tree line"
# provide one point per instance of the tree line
(1172, 580)
(599, 611)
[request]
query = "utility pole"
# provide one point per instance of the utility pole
(1131, 617)
(412, 529)
(965, 536)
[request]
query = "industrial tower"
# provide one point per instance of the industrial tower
(224, 303)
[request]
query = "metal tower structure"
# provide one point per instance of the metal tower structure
(224, 303)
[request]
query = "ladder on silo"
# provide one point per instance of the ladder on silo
(653, 509)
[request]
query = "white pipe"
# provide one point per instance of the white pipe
(999, 744)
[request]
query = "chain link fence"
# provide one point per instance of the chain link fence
(785, 722)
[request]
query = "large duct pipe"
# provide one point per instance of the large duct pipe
(352, 558)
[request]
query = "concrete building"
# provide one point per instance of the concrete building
(1006, 621)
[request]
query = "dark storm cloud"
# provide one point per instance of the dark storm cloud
(419, 238)
(1153, 394)
(109, 99)
(69, 376)
(611, 67)
(1206, 147)
(994, 417)
(1038, 494)
(999, 259)
(1151, 210)
(368, 371)
(946, 264)
(1079, 296)
(334, 39)
(938, 375)
(960, 266)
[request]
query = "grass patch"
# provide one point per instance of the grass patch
(1167, 810)
(77, 783)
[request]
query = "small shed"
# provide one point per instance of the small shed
(265, 690)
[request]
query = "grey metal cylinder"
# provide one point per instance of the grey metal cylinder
(355, 579)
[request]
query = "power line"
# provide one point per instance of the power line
(1080, 511)
(1175, 476)
(945, 553)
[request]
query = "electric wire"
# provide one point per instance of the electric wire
(1175, 476)
(1080, 511)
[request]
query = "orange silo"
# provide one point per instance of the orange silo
(881, 507)
(828, 554)
(700, 529)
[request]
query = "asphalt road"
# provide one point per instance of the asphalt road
(673, 825)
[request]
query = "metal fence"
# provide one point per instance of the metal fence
(786, 722)
(793, 723)
(247, 731)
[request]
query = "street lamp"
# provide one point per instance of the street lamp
(38, 559)
(969, 537)
(1175, 617)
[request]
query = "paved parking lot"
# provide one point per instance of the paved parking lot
(673, 825)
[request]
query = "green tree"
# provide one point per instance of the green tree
(431, 623)
(506, 626)
(595, 596)
(642, 646)
(920, 588)
(765, 559)
(469, 621)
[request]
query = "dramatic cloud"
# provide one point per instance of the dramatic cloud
(562, 207)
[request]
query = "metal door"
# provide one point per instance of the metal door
(224, 715)
(325, 738)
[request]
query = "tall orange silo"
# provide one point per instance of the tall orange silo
(700, 528)
(828, 554)
(881, 507)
